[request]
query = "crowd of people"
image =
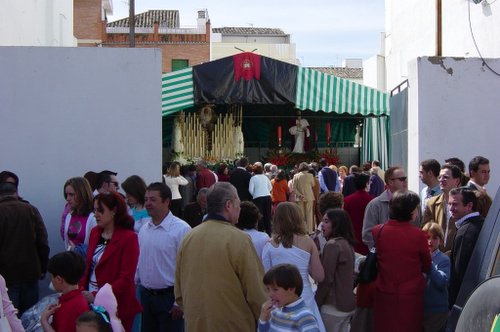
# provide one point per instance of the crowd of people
(168, 257)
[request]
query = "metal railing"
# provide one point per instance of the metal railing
(162, 30)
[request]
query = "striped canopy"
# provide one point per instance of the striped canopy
(314, 91)
(177, 91)
(317, 91)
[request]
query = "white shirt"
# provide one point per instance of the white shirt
(260, 186)
(158, 250)
(259, 239)
(174, 183)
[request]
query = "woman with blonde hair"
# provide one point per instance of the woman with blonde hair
(80, 220)
(291, 245)
(174, 179)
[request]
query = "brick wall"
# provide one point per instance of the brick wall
(89, 26)
(194, 53)
(87, 22)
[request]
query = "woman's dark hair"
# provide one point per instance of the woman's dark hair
(249, 215)
(83, 193)
(91, 177)
(281, 175)
(95, 319)
(341, 225)
(330, 200)
(285, 276)
(116, 203)
(402, 205)
(222, 167)
(136, 187)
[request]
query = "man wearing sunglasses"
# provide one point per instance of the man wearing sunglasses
(377, 211)
(106, 182)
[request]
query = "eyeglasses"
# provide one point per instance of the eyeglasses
(402, 179)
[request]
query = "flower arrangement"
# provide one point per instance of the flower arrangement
(287, 158)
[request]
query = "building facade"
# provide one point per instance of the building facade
(438, 28)
(181, 46)
(270, 42)
(36, 23)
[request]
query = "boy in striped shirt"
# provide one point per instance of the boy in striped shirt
(285, 310)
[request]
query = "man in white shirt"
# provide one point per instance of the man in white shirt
(159, 241)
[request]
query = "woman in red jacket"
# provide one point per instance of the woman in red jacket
(403, 257)
(112, 255)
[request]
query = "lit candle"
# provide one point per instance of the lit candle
(279, 136)
(328, 133)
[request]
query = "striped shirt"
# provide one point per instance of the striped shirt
(292, 317)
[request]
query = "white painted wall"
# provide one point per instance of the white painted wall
(411, 32)
(36, 23)
(282, 52)
(453, 111)
(65, 111)
(374, 72)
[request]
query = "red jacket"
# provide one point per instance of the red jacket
(355, 205)
(116, 267)
(403, 256)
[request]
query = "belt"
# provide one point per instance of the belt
(161, 291)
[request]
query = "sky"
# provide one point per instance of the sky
(325, 32)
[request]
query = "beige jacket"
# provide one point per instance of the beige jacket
(218, 280)
(303, 184)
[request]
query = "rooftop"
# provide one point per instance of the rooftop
(342, 72)
(165, 19)
(248, 31)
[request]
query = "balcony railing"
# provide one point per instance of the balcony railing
(161, 30)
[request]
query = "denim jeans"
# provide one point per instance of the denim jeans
(156, 315)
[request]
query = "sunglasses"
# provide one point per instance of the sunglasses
(402, 179)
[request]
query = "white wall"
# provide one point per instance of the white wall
(282, 52)
(374, 72)
(453, 111)
(65, 111)
(411, 32)
(36, 23)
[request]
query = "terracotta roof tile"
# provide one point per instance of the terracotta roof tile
(343, 72)
(248, 31)
(165, 19)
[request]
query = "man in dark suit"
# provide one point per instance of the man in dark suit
(194, 212)
(462, 204)
(24, 249)
(349, 187)
(479, 172)
(240, 178)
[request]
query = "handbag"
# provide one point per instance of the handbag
(369, 270)
(4, 321)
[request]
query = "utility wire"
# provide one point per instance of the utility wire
(475, 44)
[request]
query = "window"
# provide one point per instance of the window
(179, 64)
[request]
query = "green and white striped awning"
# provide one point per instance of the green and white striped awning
(177, 91)
(317, 91)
